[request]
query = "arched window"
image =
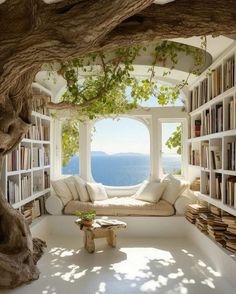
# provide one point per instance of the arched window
(120, 152)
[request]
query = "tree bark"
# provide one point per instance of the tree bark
(33, 33)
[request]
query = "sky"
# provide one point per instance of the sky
(128, 135)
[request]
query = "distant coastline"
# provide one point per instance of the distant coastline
(122, 169)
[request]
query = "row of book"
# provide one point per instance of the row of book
(216, 82)
(203, 159)
(39, 103)
(25, 186)
(13, 191)
(46, 180)
(231, 156)
(206, 184)
(216, 118)
(229, 78)
(205, 162)
(230, 191)
(194, 156)
(231, 114)
(25, 157)
(218, 186)
(206, 123)
(38, 131)
(212, 87)
(38, 156)
(12, 160)
(220, 226)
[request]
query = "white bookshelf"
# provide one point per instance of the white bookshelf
(212, 130)
(26, 174)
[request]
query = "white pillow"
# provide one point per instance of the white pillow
(150, 191)
(175, 187)
(80, 185)
(70, 181)
(96, 191)
(62, 191)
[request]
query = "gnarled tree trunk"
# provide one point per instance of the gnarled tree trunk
(33, 33)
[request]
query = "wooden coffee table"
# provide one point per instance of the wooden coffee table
(100, 229)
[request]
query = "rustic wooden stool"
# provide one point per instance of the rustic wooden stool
(100, 229)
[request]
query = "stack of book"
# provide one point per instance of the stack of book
(215, 210)
(230, 191)
(193, 211)
(201, 224)
(27, 212)
(195, 185)
(230, 234)
(216, 228)
(231, 156)
(229, 68)
(12, 159)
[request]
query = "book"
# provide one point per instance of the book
(197, 128)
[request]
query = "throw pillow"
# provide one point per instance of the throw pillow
(62, 191)
(96, 191)
(175, 187)
(150, 192)
(70, 181)
(80, 185)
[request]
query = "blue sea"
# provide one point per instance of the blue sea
(122, 169)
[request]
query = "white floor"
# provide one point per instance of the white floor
(137, 265)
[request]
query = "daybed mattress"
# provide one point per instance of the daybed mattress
(122, 206)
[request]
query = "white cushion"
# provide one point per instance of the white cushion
(80, 185)
(96, 191)
(54, 205)
(62, 191)
(70, 181)
(150, 191)
(181, 204)
(175, 187)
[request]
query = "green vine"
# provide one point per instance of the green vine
(97, 84)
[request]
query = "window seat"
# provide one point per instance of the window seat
(122, 206)
(120, 202)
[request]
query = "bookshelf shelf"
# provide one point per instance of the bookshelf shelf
(31, 198)
(215, 202)
(212, 132)
(26, 174)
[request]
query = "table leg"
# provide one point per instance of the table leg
(89, 242)
(111, 238)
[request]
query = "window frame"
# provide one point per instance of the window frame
(184, 155)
